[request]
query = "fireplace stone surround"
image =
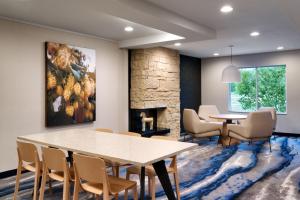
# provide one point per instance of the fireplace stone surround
(154, 83)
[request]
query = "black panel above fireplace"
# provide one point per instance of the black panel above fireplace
(135, 124)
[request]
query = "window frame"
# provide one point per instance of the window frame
(229, 108)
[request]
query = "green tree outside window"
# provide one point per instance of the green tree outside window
(259, 87)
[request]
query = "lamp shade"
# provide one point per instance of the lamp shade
(231, 74)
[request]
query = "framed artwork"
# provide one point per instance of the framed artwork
(70, 84)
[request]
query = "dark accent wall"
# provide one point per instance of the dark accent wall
(190, 84)
(129, 87)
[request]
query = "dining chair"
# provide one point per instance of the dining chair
(106, 130)
(164, 137)
(199, 128)
(91, 176)
(257, 126)
(114, 165)
(131, 133)
(56, 167)
(151, 174)
(207, 110)
(273, 113)
(28, 159)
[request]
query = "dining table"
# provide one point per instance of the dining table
(121, 148)
(224, 139)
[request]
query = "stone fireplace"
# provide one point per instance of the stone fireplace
(155, 84)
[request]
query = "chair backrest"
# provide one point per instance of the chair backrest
(206, 110)
(90, 169)
(27, 152)
(131, 133)
(107, 130)
(161, 137)
(259, 124)
(190, 119)
(54, 159)
(273, 112)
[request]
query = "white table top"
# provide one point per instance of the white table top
(228, 116)
(116, 147)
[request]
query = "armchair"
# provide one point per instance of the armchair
(206, 110)
(257, 126)
(199, 128)
(273, 113)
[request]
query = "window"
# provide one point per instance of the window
(259, 87)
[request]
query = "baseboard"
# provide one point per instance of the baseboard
(9, 173)
(185, 137)
(286, 134)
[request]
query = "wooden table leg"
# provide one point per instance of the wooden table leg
(70, 157)
(224, 139)
(163, 176)
(142, 184)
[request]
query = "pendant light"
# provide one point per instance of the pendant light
(231, 74)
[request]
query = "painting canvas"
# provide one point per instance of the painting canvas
(70, 84)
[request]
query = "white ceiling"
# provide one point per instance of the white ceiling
(276, 20)
(73, 17)
(204, 28)
(107, 18)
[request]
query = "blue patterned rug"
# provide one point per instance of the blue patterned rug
(213, 172)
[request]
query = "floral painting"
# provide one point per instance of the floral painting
(70, 84)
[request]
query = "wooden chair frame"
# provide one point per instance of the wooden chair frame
(53, 172)
(131, 133)
(106, 130)
(100, 178)
(28, 159)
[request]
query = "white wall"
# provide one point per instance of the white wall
(22, 83)
(216, 92)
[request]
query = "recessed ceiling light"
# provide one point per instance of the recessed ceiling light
(226, 9)
(216, 54)
(128, 29)
(177, 44)
(280, 48)
(254, 34)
